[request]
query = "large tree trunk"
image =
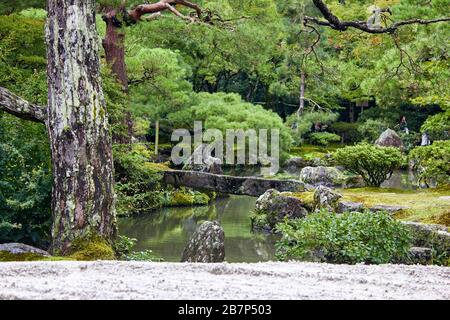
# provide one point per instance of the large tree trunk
(83, 191)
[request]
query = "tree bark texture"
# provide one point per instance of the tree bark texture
(83, 201)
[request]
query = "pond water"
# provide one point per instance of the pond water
(167, 231)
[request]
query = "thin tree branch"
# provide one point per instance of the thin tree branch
(136, 14)
(333, 21)
(21, 108)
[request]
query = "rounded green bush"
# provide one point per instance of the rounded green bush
(433, 162)
(350, 238)
(375, 164)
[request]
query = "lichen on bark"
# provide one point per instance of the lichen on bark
(83, 199)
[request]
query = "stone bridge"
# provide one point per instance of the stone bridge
(250, 186)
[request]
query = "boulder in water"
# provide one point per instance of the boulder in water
(207, 245)
(273, 207)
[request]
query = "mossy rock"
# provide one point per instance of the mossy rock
(6, 256)
(91, 249)
(185, 197)
(307, 198)
(180, 198)
(273, 207)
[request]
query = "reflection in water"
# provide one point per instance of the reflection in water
(168, 230)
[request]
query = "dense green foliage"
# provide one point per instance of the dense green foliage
(433, 162)
(375, 164)
(25, 172)
(348, 238)
(243, 73)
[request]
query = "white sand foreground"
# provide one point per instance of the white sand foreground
(288, 280)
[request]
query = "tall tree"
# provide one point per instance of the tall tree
(83, 202)
(116, 18)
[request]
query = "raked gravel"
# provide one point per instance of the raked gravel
(288, 280)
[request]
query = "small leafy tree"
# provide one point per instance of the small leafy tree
(352, 237)
(433, 162)
(375, 164)
(324, 138)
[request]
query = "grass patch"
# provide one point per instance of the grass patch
(310, 152)
(6, 256)
(427, 206)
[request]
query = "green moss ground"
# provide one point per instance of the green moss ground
(6, 256)
(310, 151)
(425, 206)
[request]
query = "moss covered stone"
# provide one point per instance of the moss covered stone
(91, 249)
(273, 207)
(185, 197)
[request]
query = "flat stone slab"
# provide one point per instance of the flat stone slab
(348, 206)
(387, 208)
(249, 186)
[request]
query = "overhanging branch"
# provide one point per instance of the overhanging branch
(163, 5)
(21, 108)
(334, 22)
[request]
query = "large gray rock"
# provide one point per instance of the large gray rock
(422, 256)
(19, 248)
(281, 205)
(354, 182)
(209, 164)
(295, 164)
(432, 236)
(276, 206)
(207, 245)
(390, 138)
(322, 176)
(388, 208)
(348, 206)
(326, 198)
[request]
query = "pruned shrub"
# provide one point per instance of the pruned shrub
(375, 164)
(350, 238)
(324, 138)
(433, 162)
